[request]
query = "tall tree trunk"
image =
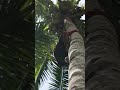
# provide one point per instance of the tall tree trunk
(102, 55)
(76, 54)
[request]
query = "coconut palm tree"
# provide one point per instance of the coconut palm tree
(76, 55)
(102, 51)
(49, 25)
(16, 45)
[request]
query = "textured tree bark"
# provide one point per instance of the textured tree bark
(76, 54)
(102, 55)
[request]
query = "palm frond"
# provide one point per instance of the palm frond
(59, 78)
(42, 74)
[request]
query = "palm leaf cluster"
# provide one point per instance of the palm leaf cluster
(44, 45)
(59, 79)
(16, 45)
(49, 25)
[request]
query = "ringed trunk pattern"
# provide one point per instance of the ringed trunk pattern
(102, 55)
(76, 54)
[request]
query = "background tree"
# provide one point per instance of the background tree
(111, 11)
(102, 48)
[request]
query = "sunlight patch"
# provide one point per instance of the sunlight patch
(54, 1)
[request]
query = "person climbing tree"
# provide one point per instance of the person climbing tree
(72, 43)
(76, 55)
